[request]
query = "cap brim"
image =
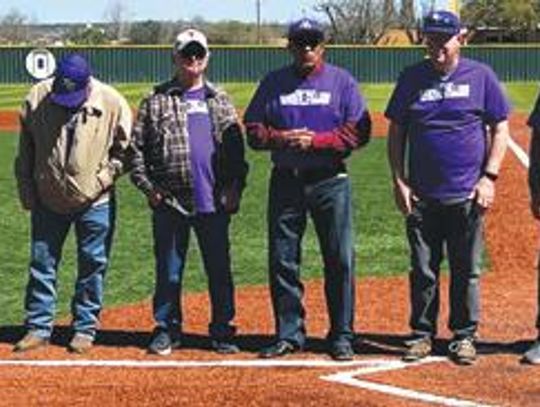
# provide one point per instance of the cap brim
(303, 33)
(71, 99)
(179, 48)
(441, 30)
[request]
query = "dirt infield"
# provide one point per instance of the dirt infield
(508, 305)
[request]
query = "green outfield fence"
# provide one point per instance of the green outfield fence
(249, 64)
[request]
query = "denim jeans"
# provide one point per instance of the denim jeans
(171, 239)
(94, 228)
(430, 227)
(329, 204)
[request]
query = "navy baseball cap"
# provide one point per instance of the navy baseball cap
(444, 22)
(70, 86)
(305, 27)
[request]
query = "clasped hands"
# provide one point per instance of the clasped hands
(300, 139)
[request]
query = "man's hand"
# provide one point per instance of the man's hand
(300, 139)
(28, 199)
(154, 198)
(230, 198)
(403, 196)
(484, 192)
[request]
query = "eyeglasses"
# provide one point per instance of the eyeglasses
(193, 50)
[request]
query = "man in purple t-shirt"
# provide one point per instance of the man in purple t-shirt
(532, 356)
(189, 162)
(451, 114)
(310, 115)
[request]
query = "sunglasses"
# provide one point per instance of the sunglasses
(303, 41)
(193, 50)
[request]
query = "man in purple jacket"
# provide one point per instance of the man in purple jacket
(310, 115)
(452, 114)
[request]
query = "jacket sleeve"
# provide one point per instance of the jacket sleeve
(24, 162)
(139, 175)
(263, 137)
(347, 137)
(260, 133)
(121, 150)
(235, 166)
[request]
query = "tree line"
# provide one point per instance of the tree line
(348, 22)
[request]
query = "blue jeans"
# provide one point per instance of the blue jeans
(329, 204)
(171, 239)
(94, 228)
(430, 227)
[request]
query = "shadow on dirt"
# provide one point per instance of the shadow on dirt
(364, 344)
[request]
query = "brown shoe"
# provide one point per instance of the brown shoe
(30, 341)
(417, 349)
(462, 351)
(81, 343)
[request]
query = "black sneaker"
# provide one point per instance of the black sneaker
(278, 349)
(162, 343)
(224, 346)
(341, 351)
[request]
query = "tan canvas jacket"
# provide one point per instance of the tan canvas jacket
(67, 170)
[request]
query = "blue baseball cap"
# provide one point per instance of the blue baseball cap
(305, 27)
(70, 86)
(444, 22)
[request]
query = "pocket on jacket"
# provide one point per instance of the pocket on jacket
(87, 149)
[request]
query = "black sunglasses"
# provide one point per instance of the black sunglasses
(303, 41)
(193, 50)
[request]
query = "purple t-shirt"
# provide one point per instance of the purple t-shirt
(202, 148)
(534, 118)
(445, 119)
(321, 102)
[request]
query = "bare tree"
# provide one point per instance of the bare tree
(389, 11)
(408, 21)
(117, 14)
(14, 27)
(357, 21)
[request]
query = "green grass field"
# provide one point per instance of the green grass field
(380, 242)
(522, 94)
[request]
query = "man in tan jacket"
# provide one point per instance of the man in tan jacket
(74, 139)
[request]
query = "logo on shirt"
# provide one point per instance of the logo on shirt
(196, 107)
(306, 97)
(447, 90)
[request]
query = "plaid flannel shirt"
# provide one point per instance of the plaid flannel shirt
(162, 158)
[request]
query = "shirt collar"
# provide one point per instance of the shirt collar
(174, 87)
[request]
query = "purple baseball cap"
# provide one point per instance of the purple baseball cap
(305, 26)
(70, 86)
(444, 22)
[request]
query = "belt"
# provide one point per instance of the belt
(311, 175)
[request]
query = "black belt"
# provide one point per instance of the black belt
(311, 175)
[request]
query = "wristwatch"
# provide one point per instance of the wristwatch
(491, 175)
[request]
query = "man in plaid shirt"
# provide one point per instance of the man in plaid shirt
(189, 162)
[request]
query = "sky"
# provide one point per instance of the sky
(87, 11)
